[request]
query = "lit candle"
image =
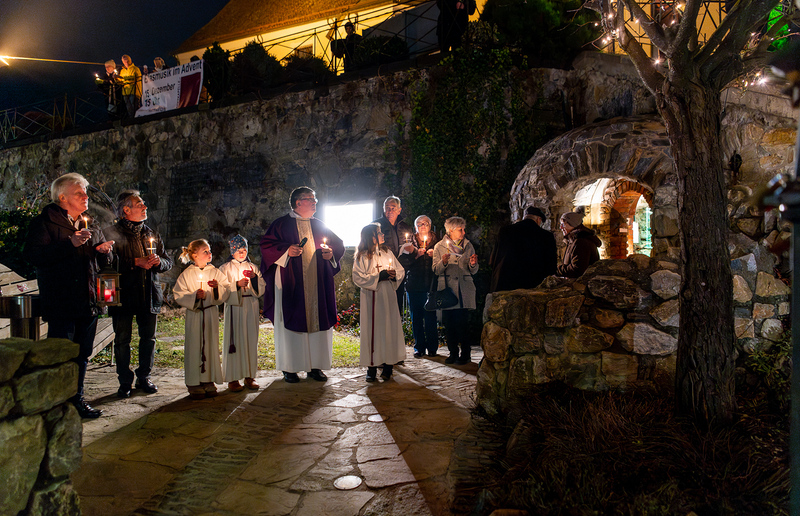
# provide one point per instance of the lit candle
(152, 248)
(406, 237)
(85, 222)
(201, 281)
(108, 295)
(324, 241)
(425, 241)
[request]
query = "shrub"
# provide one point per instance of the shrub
(217, 73)
(254, 69)
(14, 229)
(378, 50)
(304, 69)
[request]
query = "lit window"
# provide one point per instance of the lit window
(346, 220)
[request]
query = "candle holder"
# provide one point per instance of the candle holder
(108, 287)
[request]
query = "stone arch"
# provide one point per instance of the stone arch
(632, 152)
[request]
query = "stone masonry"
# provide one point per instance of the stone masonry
(40, 432)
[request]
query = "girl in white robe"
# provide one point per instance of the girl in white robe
(201, 288)
(242, 316)
(378, 273)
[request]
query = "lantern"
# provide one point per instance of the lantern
(108, 287)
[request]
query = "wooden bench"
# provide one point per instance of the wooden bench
(12, 284)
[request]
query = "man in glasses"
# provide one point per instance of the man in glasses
(396, 233)
(299, 258)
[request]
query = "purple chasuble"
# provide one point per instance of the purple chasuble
(281, 234)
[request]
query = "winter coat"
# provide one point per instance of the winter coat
(67, 275)
(458, 270)
(140, 288)
(395, 236)
(419, 270)
(132, 78)
(581, 252)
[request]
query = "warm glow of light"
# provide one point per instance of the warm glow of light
(4, 58)
(658, 61)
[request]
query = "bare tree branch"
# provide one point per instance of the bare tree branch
(653, 29)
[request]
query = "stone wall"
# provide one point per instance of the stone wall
(40, 432)
(615, 327)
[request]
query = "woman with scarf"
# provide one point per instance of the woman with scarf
(454, 263)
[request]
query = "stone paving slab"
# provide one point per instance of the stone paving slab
(277, 451)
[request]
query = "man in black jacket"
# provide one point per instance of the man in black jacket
(396, 233)
(141, 257)
(524, 255)
(67, 253)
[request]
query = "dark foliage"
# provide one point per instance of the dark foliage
(305, 69)
(254, 69)
(217, 73)
(573, 452)
(546, 32)
(378, 50)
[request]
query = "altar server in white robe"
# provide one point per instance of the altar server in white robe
(242, 316)
(201, 288)
(378, 273)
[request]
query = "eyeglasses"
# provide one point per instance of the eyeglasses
(422, 224)
(312, 199)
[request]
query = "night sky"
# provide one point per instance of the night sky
(87, 30)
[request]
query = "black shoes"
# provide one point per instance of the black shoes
(317, 374)
(124, 391)
(146, 385)
(85, 410)
(371, 373)
(451, 359)
(463, 361)
(386, 374)
(418, 355)
(290, 377)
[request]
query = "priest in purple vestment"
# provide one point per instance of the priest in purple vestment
(299, 257)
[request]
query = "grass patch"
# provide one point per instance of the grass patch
(170, 342)
(574, 452)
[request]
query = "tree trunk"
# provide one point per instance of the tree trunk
(704, 386)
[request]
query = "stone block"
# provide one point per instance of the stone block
(608, 318)
(743, 328)
(621, 292)
(12, 354)
(561, 312)
(64, 445)
(741, 290)
(750, 226)
(554, 343)
(772, 329)
(55, 500)
(495, 341)
(584, 372)
(525, 372)
(763, 311)
(585, 339)
(640, 261)
(667, 314)
(6, 400)
(665, 284)
(784, 308)
(527, 343)
(668, 266)
(523, 313)
(664, 221)
(620, 370)
(643, 339)
(50, 352)
(768, 285)
(24, 442)
(43, 389)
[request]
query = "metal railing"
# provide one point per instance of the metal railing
(47, 117)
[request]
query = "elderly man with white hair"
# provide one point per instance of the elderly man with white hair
(68, 250)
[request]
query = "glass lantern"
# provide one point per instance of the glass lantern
(108, 287)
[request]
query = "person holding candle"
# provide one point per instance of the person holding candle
(110, 84)
(454, 263)
(68, 253)
(417, 259)
(300, 297)
(140, 258)
(378, 274)
(396, 233)
(242, 316)
(201, 288)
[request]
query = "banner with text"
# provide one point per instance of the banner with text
(171, 88)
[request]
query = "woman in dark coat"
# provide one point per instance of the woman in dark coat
(416, 257)
(582, 246)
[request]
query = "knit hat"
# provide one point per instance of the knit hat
(572, 218)
(236, 243)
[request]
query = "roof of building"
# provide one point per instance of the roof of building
(244, 18)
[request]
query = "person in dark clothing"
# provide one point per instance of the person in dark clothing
(396, 234)
(418, 263)
(68, 252)
(351, 41)
(524, 255)
(452, 22)
(582, 246)
(140, 258)
(110, 84)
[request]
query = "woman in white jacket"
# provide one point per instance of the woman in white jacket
(378, 273)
